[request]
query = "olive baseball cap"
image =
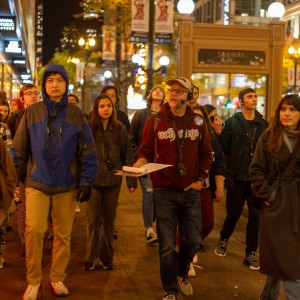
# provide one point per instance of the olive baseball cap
(183, 81)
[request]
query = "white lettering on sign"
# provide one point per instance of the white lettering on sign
(7, 24)
(13, 47)
(232, 54)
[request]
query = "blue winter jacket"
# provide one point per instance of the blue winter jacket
(55, 144)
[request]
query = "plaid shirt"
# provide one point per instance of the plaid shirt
(5, 135)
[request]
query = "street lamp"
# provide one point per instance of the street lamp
(86, 45)
(276, 10)
(107, 75)
(185, 7)
(294, 54)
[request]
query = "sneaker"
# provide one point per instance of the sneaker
(221, 247)
(185, 286)
(195, 259)
(192, 272)
(89, 266)
(251, 261)
(151, 237)
(169, 297)
(58, 289)
(116, 235)
(106, 266)
(77, 208)
(32, 292)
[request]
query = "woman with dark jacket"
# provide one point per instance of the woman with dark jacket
(275, 175)
(114, 151)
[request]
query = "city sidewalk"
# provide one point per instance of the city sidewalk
(136, 273)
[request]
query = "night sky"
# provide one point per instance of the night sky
(57, 14)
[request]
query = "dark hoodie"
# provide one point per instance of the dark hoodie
(55, 143)
(239, 142)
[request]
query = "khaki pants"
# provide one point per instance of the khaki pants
(62, 209)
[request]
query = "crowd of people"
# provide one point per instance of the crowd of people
(53, 156)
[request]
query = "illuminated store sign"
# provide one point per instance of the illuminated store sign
(7, 24)
(19, 62)
(13, 47)
(231, 57)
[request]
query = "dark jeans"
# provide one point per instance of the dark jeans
(21, 213)
(272, 288)
(171, 206)
(235, 201)
(101, 214)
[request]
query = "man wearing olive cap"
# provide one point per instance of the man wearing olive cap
(178, 137)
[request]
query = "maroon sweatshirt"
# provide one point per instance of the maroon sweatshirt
(197, 152)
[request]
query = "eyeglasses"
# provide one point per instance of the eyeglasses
(177, 91)
(32, 93)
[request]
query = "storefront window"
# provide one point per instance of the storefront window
(221, 90)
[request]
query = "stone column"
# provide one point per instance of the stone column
(274, 87)
(185, 47)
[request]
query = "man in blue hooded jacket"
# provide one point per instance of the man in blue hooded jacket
(54, 143)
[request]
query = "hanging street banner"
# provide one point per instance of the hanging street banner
(109, 42)
(79, 71)
(126, 46)
(291, 76)
(164, 21)
(139, 21)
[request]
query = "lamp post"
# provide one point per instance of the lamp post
(294, 54)
(86, 45)
(150, 47)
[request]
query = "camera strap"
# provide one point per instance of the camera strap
(180, 141)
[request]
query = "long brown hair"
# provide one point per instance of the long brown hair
(275, 128)
(96, 124)
(111, 87)
(5, 103)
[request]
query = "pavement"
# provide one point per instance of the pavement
(136, 274)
